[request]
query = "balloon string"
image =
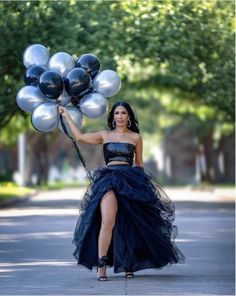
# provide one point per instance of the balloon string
(75, 146)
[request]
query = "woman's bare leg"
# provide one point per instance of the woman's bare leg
(108, 208)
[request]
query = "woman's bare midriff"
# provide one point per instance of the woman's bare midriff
(116, 162)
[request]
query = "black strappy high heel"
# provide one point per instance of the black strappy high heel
(101, 263)
(129, 275)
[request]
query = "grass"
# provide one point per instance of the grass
(59, 185)
(10, 190)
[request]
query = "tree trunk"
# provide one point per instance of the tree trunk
(227, 147)
(212, 174)
(37, 157)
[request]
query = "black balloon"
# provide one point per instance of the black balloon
(75, 100)
(33, 74)
(77, 81)
(51, 84)
(84, 93)
(90, 63)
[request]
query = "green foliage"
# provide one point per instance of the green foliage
(189, 46)
(13, 128)
(176, 59)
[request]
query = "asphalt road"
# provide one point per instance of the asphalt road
(36, 251)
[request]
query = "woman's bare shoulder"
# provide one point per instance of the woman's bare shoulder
(135, 136)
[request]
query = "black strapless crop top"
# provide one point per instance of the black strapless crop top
(116, 151)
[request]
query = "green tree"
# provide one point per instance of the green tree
(176, 59)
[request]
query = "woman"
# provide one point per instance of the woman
(126, 219)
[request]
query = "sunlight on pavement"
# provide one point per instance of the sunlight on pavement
(35, 235)
(14, 212)
(63, 194)
(37, 263)
(213, 195)
(6, 222)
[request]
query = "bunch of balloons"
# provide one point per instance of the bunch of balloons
(78, 85)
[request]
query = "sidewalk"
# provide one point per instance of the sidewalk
(215, 194)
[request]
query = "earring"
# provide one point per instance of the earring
(129, 123)
(113, 123)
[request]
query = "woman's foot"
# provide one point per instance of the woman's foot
(129, 275)
(101, 274)
(101, 268)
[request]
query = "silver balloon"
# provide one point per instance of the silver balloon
(93, 105)
(35, 54)
(29, 97)
(77, 118)
(45, 117)
(107, 83)
(64, 98)
(61, 62)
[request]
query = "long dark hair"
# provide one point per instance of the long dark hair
(134, 121)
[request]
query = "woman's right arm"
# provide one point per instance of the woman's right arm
(89, 138)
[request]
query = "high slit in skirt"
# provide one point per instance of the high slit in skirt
(144, 234)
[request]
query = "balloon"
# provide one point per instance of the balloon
(93, 105)
(90, 63)
(107, 83)
(51, 84)
(33, 74)
(76, 116)
(75, 100)
(35, 54)
(29, 97)
(45, 117)
(61, 62)
(64, 98)
(77, 81)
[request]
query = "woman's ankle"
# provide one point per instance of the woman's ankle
(102, 261)
(101, 269)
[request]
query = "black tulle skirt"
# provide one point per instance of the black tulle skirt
(144, 233)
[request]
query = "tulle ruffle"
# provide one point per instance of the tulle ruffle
(144, 233)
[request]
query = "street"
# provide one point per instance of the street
(36, 251)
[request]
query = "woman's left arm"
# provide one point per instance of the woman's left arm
(139, 152)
